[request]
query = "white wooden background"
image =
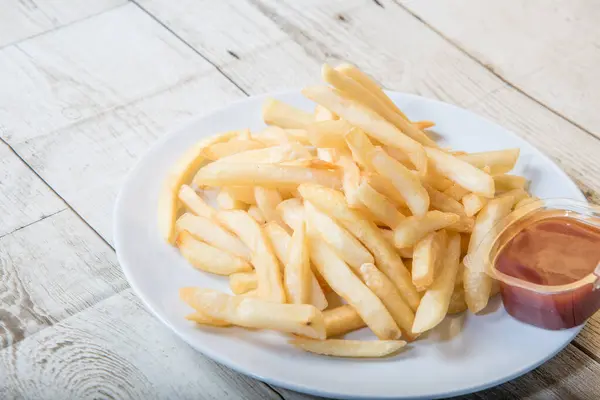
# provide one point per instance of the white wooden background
(86, 86)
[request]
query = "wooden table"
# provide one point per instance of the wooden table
(87, 87)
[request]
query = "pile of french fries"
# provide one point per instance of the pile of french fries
(354, 200)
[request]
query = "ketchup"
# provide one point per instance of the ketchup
(549, 263)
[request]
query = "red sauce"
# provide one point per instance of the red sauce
(550, 252)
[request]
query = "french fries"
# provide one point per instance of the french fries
(245, 194)
(255, 213)
(506, 182)
(361, 147)
(233, 146)
(412, 229)
(194, 203)
(329, 134)
(341, 320)
(204, 319)
(349, 348)
(379, 205)
(269, 155)
(292, 212)
(226, 202)
(499, 162)
(323, 114)
(427, 255)
(278, 113)
(243, 282)
(267, 200)
(297, 276)
(472, 203)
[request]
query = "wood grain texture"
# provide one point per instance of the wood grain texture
(117, 350)
(549, 49)
(51, 270)
(26, 18)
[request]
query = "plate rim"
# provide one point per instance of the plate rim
(214, 355)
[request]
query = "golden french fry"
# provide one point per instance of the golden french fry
(323, 114)
(369, 121)
(208, 258)
(427, 255)
(526, 201)
(379, 205)
(350, 181)
(213, 234)
(245, 194)
(385, 187)
(473, 203)
(297, 277)
(360, 146)
(315, 163)
(298, 135)
(341, 320)
(476, 282)
(273, 136)
(226, 202)
(464, 224)
(258, 216)
(412, 229)
(179, 174)
(423, 124)
(267, 200)
(434, 304)
(404, 181)
(266, 175)
(343, 243)
(499, 162)
(243, 282)
(406, 252)
(349, 348)
(283, 115)
(348, 286)
(507, 182)
(516, 194)
(436, 180)
(457, 301)
(387, 260)
(329, 134)
(299, 319)
(269, 155)
(456, 191)
(391, 298)
(461, 172)
(204, 319)
(194, 203)
(292, 212)
(399, 156)
(442, 202)
(280, 240)
(233, 146)
(329, 155)
(268, 271)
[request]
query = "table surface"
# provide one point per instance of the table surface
(87, 87)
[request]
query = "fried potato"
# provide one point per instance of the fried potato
(423, 124)
(361, 147)
(329, 134)
(267, 200)
(268, 271)
(226, 202)
(369, 121)
(349, 348)
(341, 320)
(499, 162)
(266, 175)
(387, 260)
(255, 213)
(456, 191)
(297, 272)
(473, 203)
(269, 155)
(194, 203)
(299, 319)
(243, 282)
(427, 256)
(464, 224)
(233, 146)
(280, 240)
(206, 230)
(434, 304)
(245, 194)
(516, 194)
(457, 301)
(292, 212)
(386, 188)
(204, 319)
(404, 181)
(343, 243)
(379, 205)
(461, 172)
(350, 181)
(323, 114)
(442, 202)
(412, 229)
(348, 286)
(208, 258)
(283, 115)
(507, 182)
(329, 155)
(179, 174)
(526, 201)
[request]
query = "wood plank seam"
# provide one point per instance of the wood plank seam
(34, 222)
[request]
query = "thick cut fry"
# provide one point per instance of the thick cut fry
(208, 258)
(348, 286)
(267, 200)
(245, 194)
(204, 319)
(457, 301)
(400, 156)
(404, 181)
(436, 180)
(379, 205)
(434, 304)
(387, 260)
(350, 181)
(255, 213)
(442, 202)
(266, 175)
(464, 224)
(350, 348)
(280, 114)
(194, 203)
(343, 243)
(292, 212)
(413, 228)
(280, 240)
(476, 282)
(406, 252)
(233, 146)
(329, 155)
(329, 134)
(499, 162)
(297, 277)
(507, 182)
(299, 319)
(212, 233)
(227, 202)
(268, 271)
(456, 191)
(179, 174)
(386, 188)
(427, 256)
(361, 147)
(323, 114)
(473, 203)
(370, 122)
(388, 294)
(243, 282)
(461, 172)
(270, 155)
(341, 320)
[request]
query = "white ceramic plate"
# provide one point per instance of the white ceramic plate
(464, 354)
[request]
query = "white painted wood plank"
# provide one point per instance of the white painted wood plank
(50, 270)
(117, 350)
(24, 198)
(548, 48)
(25, 18)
